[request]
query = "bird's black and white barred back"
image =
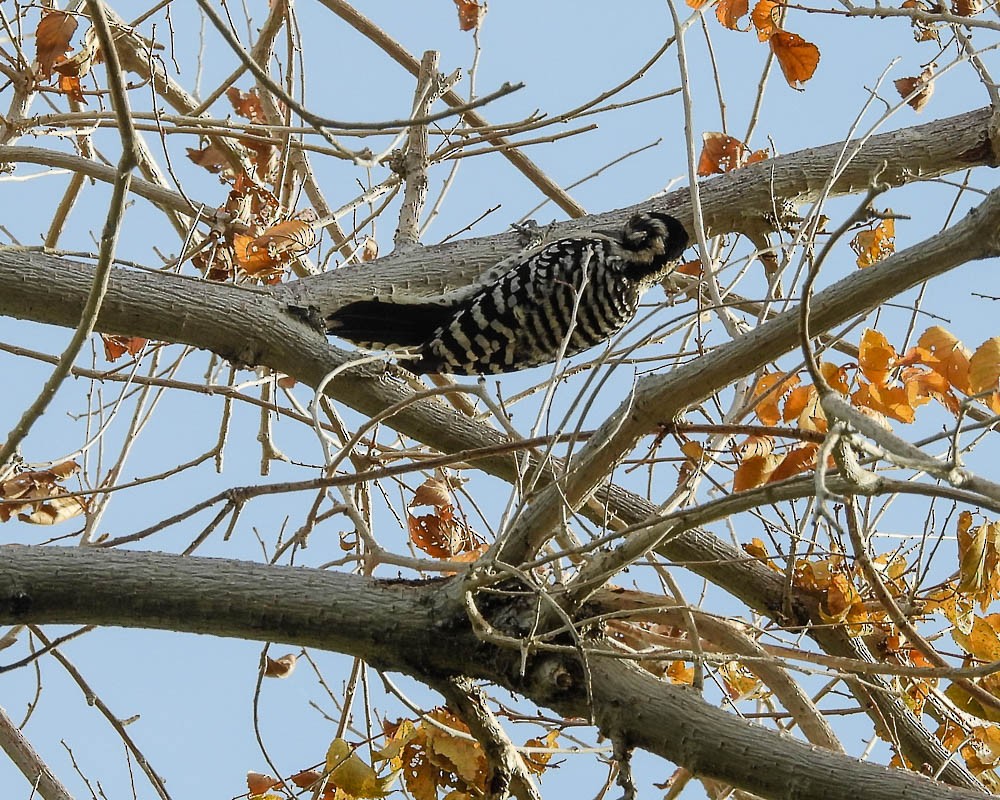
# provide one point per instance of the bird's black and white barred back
(553, 301)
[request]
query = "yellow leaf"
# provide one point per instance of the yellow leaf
(348, 772)
(984, 366)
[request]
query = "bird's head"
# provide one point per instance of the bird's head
(652, 242)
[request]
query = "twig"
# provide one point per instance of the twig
(109, 239)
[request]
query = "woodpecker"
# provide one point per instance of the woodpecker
(552, 301)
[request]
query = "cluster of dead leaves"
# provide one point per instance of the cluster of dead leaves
(432, 758)
(925, 30)
(344, 776)
(261, 239)
(269, 244)
(797, 58)
(52, 42)
(883, 384)
(440, 533)
(429, 757)
(261, 153)
(36, 496)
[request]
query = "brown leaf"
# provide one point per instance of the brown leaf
(246, 104)
(432, 492)
(798, 460)
(52, 37)
(967, 8)
(370, 250)
(537, 763)
(211, 158)
(470, 14)
(765, 16)
(264, 256)
(729, 12)
(439, 534)
(69, 85)
(892, 401)
(797, 58)
(280, 667)
(767, 408)
(917, 90)
(38, 498)
(117, 346)
(258, 783)
(719, 153)
(680, 673)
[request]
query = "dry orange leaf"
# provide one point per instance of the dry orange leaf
(52, 37)
(280, 667)
(470, 14)
(765, 18)
(75, 67)
(756, 446)
(719, 153)
(922, 386)
(210, 157)
(246, 104)
(754, 472)
(836, 377)
(797, 401)
(369, 252)
(264, 256)
(949, 357)
(797, 58)
(917, 90)
(758, 550)
(874, 244)
(117, 346)
(432, 492)
(258, 783)
(741, 683)
(767, 409)
(723, 153)
(876, 356)
(729, 13)
(892, 401)
(798, 460)
(983, 641)
(984, 367)
(967, 8)
(679, 672)
(695, 453)
(537, 763)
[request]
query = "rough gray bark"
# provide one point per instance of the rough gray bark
(420, 628)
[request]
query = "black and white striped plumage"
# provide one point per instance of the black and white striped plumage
(556, 300)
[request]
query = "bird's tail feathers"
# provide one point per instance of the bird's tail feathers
(372, 322)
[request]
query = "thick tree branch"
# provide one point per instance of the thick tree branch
(420, 628)
(736, 201)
